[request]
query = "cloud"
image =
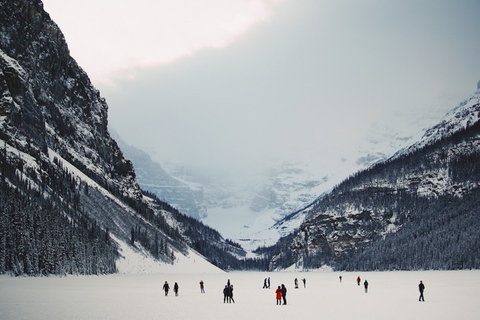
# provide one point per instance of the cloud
(112, 39)
(235, 83)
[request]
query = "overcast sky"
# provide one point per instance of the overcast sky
(216, 82)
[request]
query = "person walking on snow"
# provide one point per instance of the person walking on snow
(278, 293)
(296, 283)
(421, 287)
(166, 288)
(284, 294)
(365, 284)
(225, 294)
(175, 289)
(202, 287)
(304, 282)
(358, 280)
(230, 294)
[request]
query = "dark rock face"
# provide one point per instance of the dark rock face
(50, 100)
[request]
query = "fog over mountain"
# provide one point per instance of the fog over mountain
(265, 87)
(302, 82)
(251, 211)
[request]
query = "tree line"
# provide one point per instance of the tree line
(42, 232)
(429, 197)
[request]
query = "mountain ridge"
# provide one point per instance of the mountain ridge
(371, 214)
(70, 200)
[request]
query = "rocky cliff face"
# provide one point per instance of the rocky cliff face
(47, 98)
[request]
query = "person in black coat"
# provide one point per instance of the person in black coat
(166, 288)
(225, 294)
(284, 294)
(175, 289)
(421, 287)
(230, 294)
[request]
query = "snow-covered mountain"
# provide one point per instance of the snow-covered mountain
(462, 116)
(398, 212)
(69, 200)
(187, 197)
(257, 212)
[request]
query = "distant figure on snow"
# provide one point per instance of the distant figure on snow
(166, 288)
(228, 294)
(202, 287)
(304, 282)
(225, 294)
(278, 294)
(340, 277)
(265, 283)
(421, 287)
(175, 289)
(296, 283)
(284, 294)
(365, 284)
(268, 282)
(358, 280)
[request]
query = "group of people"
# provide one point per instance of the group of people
(365, 283)
(166, 288)
(421, 287)
(280, 293)
(303, 280)
(228, 293)
(266, 283)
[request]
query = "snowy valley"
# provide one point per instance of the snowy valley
(391, 295)
(72, 202)
(259, 211)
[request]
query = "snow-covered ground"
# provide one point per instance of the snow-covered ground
(391, 295)
(139, 262)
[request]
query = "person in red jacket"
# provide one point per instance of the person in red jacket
(279, 295)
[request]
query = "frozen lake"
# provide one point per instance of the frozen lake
(391, 295)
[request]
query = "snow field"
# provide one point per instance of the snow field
(392, 295)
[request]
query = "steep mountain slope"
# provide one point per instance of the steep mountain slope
(399, 213)
(186, 197)
(70, 201)
(461, 117)
(48, 97)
